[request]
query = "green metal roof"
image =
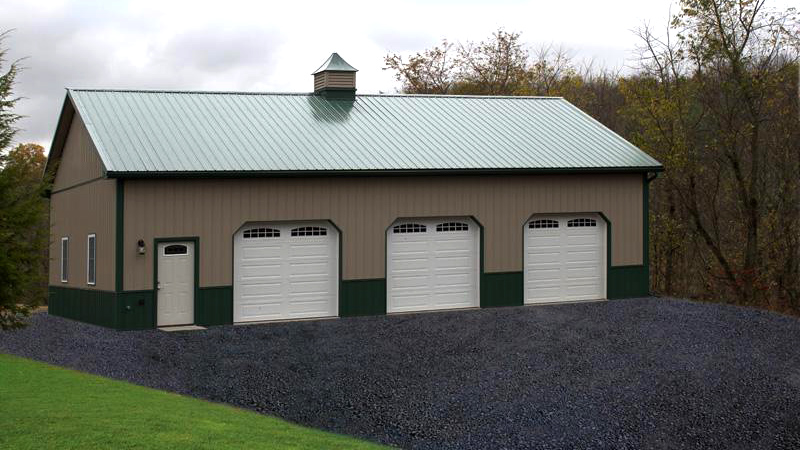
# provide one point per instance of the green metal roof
(147, 133)
(335, 63)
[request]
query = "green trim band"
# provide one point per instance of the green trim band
(119, 247)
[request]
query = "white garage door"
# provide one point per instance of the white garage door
(432, 264)
(285, 271)
(565, 258)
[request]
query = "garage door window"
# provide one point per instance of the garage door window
(254, 233)
(543, 223)
(452, 226)
(409, 228)
(582, 222)
(310, 231)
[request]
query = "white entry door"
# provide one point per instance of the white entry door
(432, 264)
(175, 284)
(565, 258)
(285, 271)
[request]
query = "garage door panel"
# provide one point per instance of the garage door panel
(411, 267)
(542, 243)
(565, 263)
(304, 271)
(285, 276)
(309, 287)
(261, 288)
(408, 282)
(452, 300)
(264, 307)
(581, 258)
(446, 279)
(429, 269)
(308, 250)
(271, 251)
(406, 302)
(545, 275)
(545, 293)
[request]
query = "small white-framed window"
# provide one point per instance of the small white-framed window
(309, 231)
(409, 228)
(64, 259)
(452, 226)
(582, 222)
(543, 223)
(91, 259)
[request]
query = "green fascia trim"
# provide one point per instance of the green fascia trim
(646, 225)
(214, 306)
(196, 241)
(362, 297)
(502, 289)
(86, 305)
(119, 248)
(409, 172)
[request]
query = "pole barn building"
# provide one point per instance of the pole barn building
(177, 208)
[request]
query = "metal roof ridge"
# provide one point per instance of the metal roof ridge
(222, 92)
(187, 91)
(529, 97)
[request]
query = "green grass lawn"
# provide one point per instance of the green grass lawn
(43, 406)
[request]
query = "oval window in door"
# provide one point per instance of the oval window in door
(175, 249)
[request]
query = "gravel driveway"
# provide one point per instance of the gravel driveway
(618, 374)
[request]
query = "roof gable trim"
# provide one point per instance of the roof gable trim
(69, 112)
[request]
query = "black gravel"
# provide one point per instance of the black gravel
(638, 373)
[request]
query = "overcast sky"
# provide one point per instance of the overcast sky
(266, 46)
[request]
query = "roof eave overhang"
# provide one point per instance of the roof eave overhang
(373, 173)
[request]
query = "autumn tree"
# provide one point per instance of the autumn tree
(431, 72)
(496, 66)
(713, 101)
(23, 212)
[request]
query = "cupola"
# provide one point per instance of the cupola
(335, 79)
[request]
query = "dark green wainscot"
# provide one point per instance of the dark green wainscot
(628, 282)
(501, 289)
(214, 306)
(362, 297)
(132, 310)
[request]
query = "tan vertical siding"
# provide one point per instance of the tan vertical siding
(79, 160)
(363, 207)
(76, 213)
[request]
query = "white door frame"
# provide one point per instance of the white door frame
(604, 259)
(195, 258)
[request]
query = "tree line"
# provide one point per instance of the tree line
(714, 97)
